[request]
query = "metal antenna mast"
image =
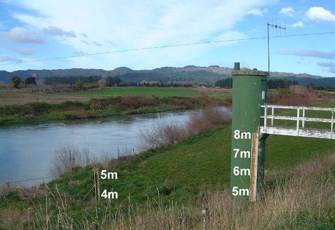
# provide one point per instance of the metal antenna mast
(268, 30)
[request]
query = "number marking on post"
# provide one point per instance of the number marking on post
(241, 153)
(240, 191)
(111, 195)
(105, 175)
(241, 135)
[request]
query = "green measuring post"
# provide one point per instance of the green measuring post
(247, 159)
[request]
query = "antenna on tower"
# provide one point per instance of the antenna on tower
(276, 27)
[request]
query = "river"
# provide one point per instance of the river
(27, 153)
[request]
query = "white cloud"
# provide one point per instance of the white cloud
(311, 53)
(320, 14)
(287, 11)
(113, 25)
(56, 31)
(36, 21)
(298, 24)
(329, 65)
(23, 35)
(9, 59)
(257, 12)
(24, 51)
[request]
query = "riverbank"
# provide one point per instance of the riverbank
(178, 174)
(40, 112)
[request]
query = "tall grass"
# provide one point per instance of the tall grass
(302, 198)
(297, 95)
(67, 158)
(208, 118)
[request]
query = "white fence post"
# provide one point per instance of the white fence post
(265, 115)
(273, 114)
(332, 124)
(298, 120)
(303, 117)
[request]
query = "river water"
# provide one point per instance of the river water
(27, 153)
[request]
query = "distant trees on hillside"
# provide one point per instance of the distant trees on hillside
(224, 83)
(80, 80)
(272, 84)
(71, 80)
(113, 81)
(30, 81)
(281, 83)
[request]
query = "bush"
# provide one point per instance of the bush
(16, 81)
(79, 85)
(133, 102)
(101, 83)
(164, 135)
(294, 96)
(69, 105)
(208, 118)
(30, 81)
(138, 101)
(103, 103)
(68, 158)
(33, 109)
(78, 114)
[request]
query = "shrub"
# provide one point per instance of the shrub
(295, 95)
(69, 105)
(208, 118)
(79, 84)
(30, 81)
(68, 158)
(33, 109)
(101, 83)
(16, 81)
(78, 114)
(138, 101)
(103, 103)
(164, 135)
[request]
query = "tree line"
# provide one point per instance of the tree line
(272, 84)
(18, 82)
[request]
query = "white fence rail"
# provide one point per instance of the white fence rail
(269, 118)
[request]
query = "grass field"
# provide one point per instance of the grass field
(35, 105)
(137, 91)
(23, 96)
(178, 173)
(98, 108)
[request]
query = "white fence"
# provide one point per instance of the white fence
(300, 119)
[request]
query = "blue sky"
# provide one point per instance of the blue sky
(32, 31)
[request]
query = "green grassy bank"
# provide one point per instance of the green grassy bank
(98, 108)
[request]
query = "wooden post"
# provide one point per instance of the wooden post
(96, 184)
(97, 193)
(254, 183)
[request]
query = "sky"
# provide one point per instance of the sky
(62, 34)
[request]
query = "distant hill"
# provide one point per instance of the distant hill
(187, 74)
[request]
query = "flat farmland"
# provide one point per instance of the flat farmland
(137, 91)
(24, 96)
